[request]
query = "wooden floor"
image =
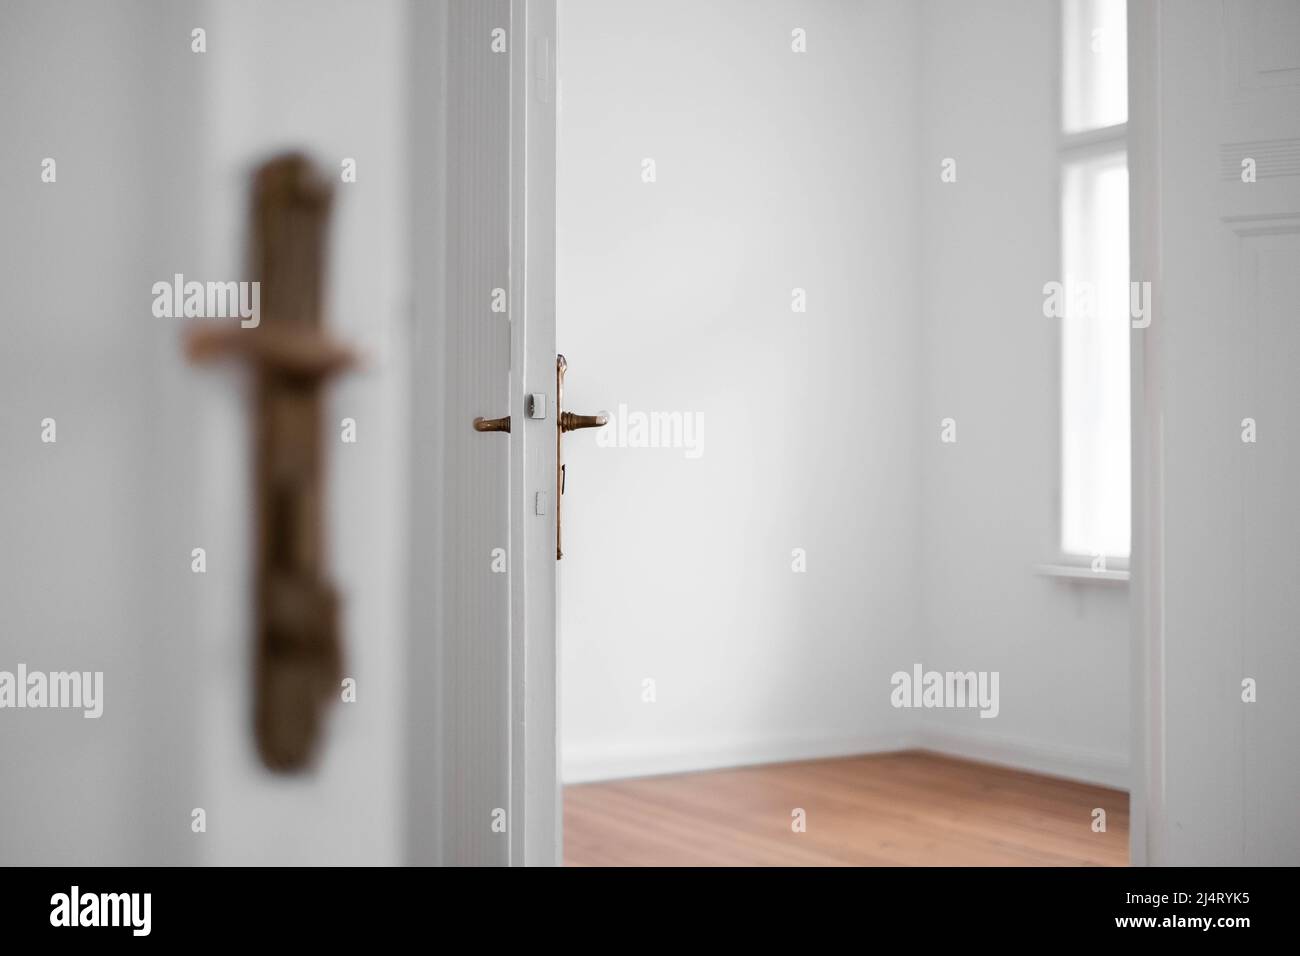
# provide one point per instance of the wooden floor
(910, 809)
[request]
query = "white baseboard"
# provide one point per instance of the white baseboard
(1052, 760)
(592, 764)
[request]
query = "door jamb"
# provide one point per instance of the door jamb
(535, 816)
(1146, 683)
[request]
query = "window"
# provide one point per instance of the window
(1094, 65)
(1095, 492)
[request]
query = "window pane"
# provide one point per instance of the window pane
(1094, 69)
(1094, 357)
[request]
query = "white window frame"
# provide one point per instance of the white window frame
(1072, 148)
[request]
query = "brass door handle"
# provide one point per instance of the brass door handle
(566, 422)
(571, 422)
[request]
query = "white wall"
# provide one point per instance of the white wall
(819, 170)
(775, 170)
(154, 147)
(989, 514)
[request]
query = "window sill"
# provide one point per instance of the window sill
(1082, 572)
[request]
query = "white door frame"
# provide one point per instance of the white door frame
(482, 743)
(1146, 593)
(536, 808)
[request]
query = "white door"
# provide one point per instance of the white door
(1217, 191)
(483, 664)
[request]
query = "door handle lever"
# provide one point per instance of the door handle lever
(566, 422)
(482, 424)
(570, 422)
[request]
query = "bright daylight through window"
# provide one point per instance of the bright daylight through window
(1095, 493)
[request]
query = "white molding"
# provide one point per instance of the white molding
(1245, 82)
(660, 757)
(1083, 765)
(655, 758)
(1093, 142)
(536, 810)
(1083, 572)
(1146, 596)
(1248, 225)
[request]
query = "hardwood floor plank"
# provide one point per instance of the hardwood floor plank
(902, 809)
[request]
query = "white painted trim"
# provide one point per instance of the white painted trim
(660, 757)
(1093, 142)
(1146, 596)
(1053, 760)
(536, 810)
(1080, 572)
(655, 758)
